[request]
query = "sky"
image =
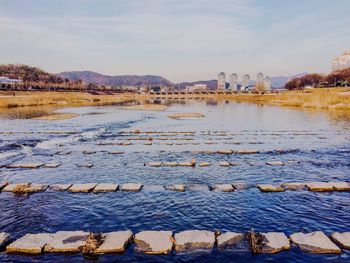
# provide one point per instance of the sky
(181, 40)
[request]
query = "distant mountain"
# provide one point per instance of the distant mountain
(127, 80)
(280, 81)
(211, 84)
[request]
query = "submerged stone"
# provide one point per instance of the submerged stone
(81, 188)
(203, 164)
(4, 238)
(319, 186)
(26, 165)
(229, 239)
(224, 163)
(198, 187)
(241, 186)
(273, 242)
(52, 165)
(116, 152)
(64, 152)
(315, 242)
(60, 187)
(131, 187)
(275, 163)
(342, 239)
(89, 152)
(154, 242)
(293, 186)
(66, 242)
(85, 165)
(114, 242)
(105, 187)
(222, 188)
(177, 187)
(194, 240)
(270, 188)
(30, 244)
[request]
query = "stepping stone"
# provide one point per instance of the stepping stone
(3, 184)
(315, 242)
(52, 165)
(25, 165)
(114, 242)
(338, 186)
(229, 239)
(224, 163)
(178, 187)
(275, 163)
(25, 188)
(342, 239)
(85, 165)
(248, 151)
(293, 186)
(105, 187)
(81, 188)
(270, 188)
(241, 186)
(66, 241)
(187, 164)
(170, 164)
(222, 188)
(30, 244)
(155, 164)
(147, 143)
(154, 242)
(34, 188)
(319, 187)
(60, 187)
(269, 243)
(204, 164)
(4, 238)
(198, 188)
(116, 152)
(131, 187)
(225, 151)
(194, 240)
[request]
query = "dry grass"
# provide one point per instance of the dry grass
(39, 98)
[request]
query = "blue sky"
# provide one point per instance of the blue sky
(182, 40)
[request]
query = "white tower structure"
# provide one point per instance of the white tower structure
(221, 81)
(245, 81)
(342, 61)
(259, 81)
(233, 81)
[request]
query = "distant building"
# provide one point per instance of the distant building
(259, 81)
(342, 61)
(196, 87)
(245, 82)
(6, 80)
(267, 84)
(233, 81)
(221, 81)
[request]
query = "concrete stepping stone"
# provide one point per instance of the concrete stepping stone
(270, 188)
(34, 188)
(60, 187)
(30, 244)
(155, 164)
(293, 186)
(116, 152)
(131, 187)
(177, 187)
(229, 239)
(25, 188)
(341, 186)
(154, 242)
(52, 165)
(269, 243)
(191, 164)
(241, 186)
(222, 188)
(275, 163)
(85, 165)
(170, 164)
(26, 165)
(81, 188)
(66, 242)
(194, 240)
(105, 187)
(315, 242)
(225, 151)
(319, 187)
(4, 239)
(342, 239)
(224, 163)
(89, 152)
(3, 184)
(114, 242)
(199, 188)
(248, 151)
(204, 164)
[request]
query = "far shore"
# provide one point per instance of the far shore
(320, 98)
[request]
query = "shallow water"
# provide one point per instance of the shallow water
(315, 147)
